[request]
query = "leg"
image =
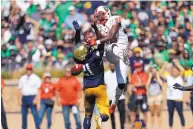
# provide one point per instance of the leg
(35, 115)
(24, 111)
(170, 104)
(112, 118)
(132, 117)
(66, 115)
(89, 104)
(121, 72)
(144, 108)
(102, 102)
(158, 114)
(121, 109)
(49, 116)
(158, 107)
(132, 108)
(42, 112)
(3, 116)
(77, 116)
(179, 107)
(152, 112)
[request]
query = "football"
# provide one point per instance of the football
(76, 69)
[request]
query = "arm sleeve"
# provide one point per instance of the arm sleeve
(132, 80)
(57, 86)
(77, 37)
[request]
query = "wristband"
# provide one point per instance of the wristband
(98, 42)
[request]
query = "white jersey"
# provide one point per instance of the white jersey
(121, 37)
(118, 47)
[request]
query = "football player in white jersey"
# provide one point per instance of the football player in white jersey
(109, 31)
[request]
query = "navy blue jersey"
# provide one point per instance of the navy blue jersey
(93, 70)
(93, 67)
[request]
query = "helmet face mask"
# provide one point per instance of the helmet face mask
(102, 14)
(80, 52)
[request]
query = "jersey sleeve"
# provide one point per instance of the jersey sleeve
(77, 37)
(132, 80)
(116, 20)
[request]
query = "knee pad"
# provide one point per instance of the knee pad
(104, 117)
(121, 86)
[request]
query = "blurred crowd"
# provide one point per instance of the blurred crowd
(41, 32)
(160, 35)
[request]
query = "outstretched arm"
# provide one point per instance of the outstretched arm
(77, 34)
(179, 87)
(113, 31)
(98, 33)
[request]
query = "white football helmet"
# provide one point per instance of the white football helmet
(102, 13)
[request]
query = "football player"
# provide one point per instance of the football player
(89, 61)
(110, 32)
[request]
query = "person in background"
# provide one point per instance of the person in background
(111, 83)
(155, 96)
(174, 97)
(3, 115)
(137, 58)
(29, 85)
(68, 95)
(138, 92)
(46, 96)
(73, 16)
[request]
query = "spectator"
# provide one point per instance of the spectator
(74, 15)
(111, 83)
(174, 97)
(28, 85)
(155, 97)
(137, 90)
(137, 58)
(69, 93)
(3, 115)
(46, 99)
(5, 55)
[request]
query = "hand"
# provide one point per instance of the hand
(78, 103)
(92, 42)
(76, 25)
(38, 106)
(178, 86)
(35, 101)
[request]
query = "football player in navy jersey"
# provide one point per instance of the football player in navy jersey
(90, 60)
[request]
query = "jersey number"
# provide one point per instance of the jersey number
(87, 70)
